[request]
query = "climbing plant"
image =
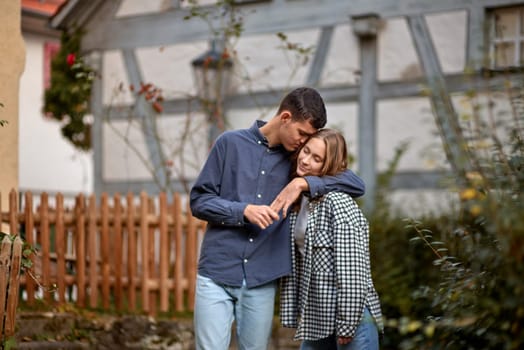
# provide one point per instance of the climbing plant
(67, 98)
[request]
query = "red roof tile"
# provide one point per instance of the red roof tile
(46, 7)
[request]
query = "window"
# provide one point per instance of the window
(507, 37)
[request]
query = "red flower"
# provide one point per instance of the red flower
(71, 58)
(207, 61)
(158, 107)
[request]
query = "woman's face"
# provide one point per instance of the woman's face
(311, 157)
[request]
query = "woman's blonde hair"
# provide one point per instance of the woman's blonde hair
(336, 158)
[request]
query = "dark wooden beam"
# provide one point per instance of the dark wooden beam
(38, 23)
(402, 180)
(321, 50)
(443, 109)
(142, 112)
(456, 83)
(365, 28)
(169, 27)
(414, 180)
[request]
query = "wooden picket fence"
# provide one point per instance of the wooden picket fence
(134, 253)
(10, 259)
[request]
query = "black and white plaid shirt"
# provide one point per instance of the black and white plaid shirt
(327, 291)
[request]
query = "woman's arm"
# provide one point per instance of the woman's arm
(351, 267)
(346, 182)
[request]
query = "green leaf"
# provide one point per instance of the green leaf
(10, 343)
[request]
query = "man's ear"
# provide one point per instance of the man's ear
(285, 116)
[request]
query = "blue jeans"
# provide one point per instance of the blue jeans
(366, 338)
(216, 306)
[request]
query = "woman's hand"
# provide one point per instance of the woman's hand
(344, 340)
(289, 195)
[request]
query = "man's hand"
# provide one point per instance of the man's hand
(289, 195)
(260, 215)
(344, 340)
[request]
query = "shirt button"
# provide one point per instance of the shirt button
(259, 195)
(259, 142)
(263, 172)
(245, 261)
(251, 239)
(267, 150)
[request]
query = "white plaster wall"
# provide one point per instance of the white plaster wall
(137, 7)
(170, 69)
(408, 121)
(422, 202)
(126, 155)
(47, 161)
(342, 63)
(449, 35)
(265, 63)
(116, 86)
(398, 57)
(262, 64)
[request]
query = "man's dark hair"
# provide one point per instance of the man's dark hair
(305, 103)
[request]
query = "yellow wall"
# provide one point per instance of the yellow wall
(12, 61)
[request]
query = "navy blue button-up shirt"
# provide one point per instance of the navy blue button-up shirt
(242, 169)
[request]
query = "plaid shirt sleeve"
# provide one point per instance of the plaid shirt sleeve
(352, 274)
(289, 288)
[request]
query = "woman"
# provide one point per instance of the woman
(329, 297)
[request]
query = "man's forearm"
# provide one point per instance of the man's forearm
(347, 182)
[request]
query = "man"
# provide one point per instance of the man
(246, 248)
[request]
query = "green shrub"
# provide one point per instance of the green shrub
(456, 281)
